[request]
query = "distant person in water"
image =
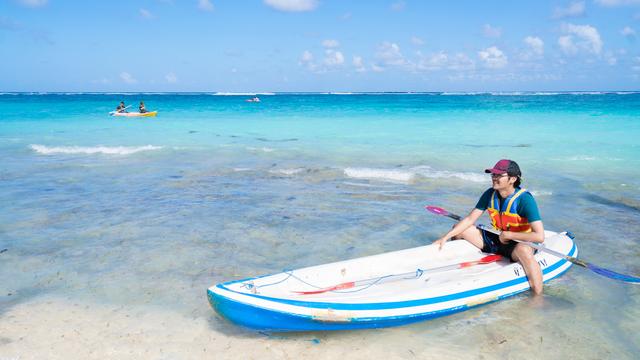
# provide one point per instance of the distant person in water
(254, 99)
(142, 108)
(121, 108)
(514, 212)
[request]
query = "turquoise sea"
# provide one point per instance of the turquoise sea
(133, 218)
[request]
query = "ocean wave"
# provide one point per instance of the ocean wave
(262, 149)
(242, 93)
(380, 174)
(106, 150)
(581, 158)
(411, 174)
(428, 172)
(541, 193)
(287, 172)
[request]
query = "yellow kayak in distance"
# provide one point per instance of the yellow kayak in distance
(135, 114)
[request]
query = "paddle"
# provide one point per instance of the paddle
(596, 269)
(116, 111)
(351, 284)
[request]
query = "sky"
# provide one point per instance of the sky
(319, 45)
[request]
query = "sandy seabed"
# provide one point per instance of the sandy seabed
(54, 328)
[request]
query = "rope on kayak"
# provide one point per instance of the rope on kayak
(254, 288)
(417, 275)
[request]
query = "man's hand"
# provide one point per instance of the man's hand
(505, 237)
(440, 242)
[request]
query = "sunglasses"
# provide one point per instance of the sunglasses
(498, 176)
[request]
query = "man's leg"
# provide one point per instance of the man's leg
(472, 235)
(524, 255)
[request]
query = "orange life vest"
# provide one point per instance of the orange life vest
(507, 218)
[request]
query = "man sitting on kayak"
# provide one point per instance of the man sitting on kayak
(121, 108)
(141, 108)
(514, 212)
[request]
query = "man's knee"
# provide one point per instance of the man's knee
(523, 252)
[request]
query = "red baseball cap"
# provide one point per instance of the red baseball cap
(505, 166)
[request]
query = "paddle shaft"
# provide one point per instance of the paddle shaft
(117, 111)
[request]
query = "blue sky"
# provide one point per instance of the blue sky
(319, 45)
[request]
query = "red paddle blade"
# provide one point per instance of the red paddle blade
(346, 285)
(485, 260)
(437, 210)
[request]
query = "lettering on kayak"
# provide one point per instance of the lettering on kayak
(542, 262)
(519, 268)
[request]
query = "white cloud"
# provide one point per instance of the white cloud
(575, 9)
(146, 14)
(171, 78)
(330, 43)
(628, 32)
(636, 64)
(567, 45)
(610, 58)
(292, 5)
(358, 64)
(389, 54)
(34, 3)
(398, 6)
(442, 60)
(436, 61)
(307, 56)
(333, 58)
(615, 3)
(127, 78)
(417, 41)
(580, 37)
(491, 32)
(536, 45)
(307, 60)
(493, 57)
(462, 62)
(205, 5)
(376, 68)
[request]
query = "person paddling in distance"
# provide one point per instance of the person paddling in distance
(513, 211)
(141, 108)
(121, 108)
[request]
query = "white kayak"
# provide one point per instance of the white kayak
(383, 290)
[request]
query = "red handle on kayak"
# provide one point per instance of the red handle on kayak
(485, 260)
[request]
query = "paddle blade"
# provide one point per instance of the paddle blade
(613, 275)
(485, 260)
(441, 211)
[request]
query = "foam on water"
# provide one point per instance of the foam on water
(288, 172)
(105, 150)
(380, 174)
(411, 174)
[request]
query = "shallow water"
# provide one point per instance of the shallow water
(132, 219)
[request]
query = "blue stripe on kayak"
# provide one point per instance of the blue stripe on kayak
(398, 304)
(275, 320)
